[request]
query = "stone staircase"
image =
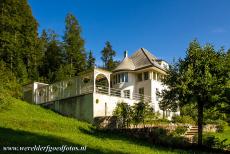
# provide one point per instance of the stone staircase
(190, 133)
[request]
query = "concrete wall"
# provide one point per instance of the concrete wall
(104, 105)
(80, 107)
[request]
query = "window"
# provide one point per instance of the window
(146, 75)
(141, 91)
(119, 78)
(157, 92)
(126, 77)
(127, 93)
(154, 76)
(167, 113)
(122, 77)
(139, 77)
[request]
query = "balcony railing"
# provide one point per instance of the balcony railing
(118, 93)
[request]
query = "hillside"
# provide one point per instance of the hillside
(24, 124)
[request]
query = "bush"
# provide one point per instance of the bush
(123, 114)
(213, 142)
(183, 119)
(180, 130)
(220, 124)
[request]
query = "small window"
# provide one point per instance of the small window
(146, 75)
(141, 91)
(122, 77)
(119, 78)
(167, 113)
(139, 77)
(154, 76)
(157, 92)
(127, 93)
(126, 77)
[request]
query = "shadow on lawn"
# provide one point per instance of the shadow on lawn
(181, 147)
(17, 138)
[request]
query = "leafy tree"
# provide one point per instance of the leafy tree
(140, 111)
(199, 78)
(74, 44)
(107, 56)
(90, 61)
(165, 104)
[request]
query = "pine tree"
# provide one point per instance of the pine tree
(90, 61)
(107, 56)
(53, 56)
(74, 44)
(18, 38)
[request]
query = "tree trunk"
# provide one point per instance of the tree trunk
(200, 122)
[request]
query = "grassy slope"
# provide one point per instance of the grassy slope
(223, 135)
(25, 124)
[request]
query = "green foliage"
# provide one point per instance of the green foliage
(18, 39)
(9, 86)
(199, 78)
(74, 44)
(40, 126)
(213, 142)
(52, 56)
(64, 72)
(107, 56)
(183, 119)
(141, 111)
(90, 61)
(123, 114)
(180, 130)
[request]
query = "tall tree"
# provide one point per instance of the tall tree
(53, 56)
(107, 56)
(74, 44)
(18, 38)
(90, 60)
(199, 78)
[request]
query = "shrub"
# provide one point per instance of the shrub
(183, 119)
(180, 130)
(213, 142)
(123, 114)
(220, 124)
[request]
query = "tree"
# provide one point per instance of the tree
(165, 104)
(140, 111)
(53, 56)
(18, 39)
(107, 56)
(123, 114)
(90, 61)
(64, 72)
(74, 44)
(199, 78)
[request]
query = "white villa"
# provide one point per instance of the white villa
(96, 93)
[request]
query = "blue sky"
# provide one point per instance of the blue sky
(164, 27)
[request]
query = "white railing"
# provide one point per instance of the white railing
(63, 89)
(75, 87)
(118, 93)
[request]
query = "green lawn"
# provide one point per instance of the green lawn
(23, 124)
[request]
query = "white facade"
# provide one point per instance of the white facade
(97, 93)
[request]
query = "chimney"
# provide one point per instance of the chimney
(125, 54)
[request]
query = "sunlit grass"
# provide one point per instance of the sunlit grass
(24, 124)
